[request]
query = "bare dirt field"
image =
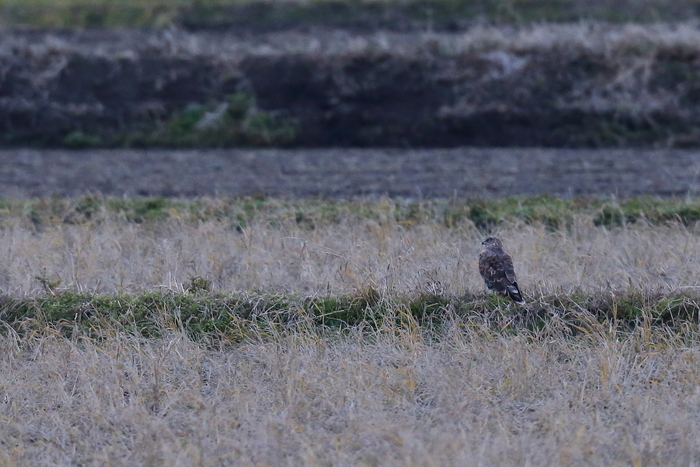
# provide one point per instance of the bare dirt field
(461, 172)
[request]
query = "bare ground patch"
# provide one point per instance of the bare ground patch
(342, 173)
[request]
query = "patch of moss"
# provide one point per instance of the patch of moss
(428, 308)
(79, 140)
(676, 308)
(198, 285)
(140, 210)
(234, 122)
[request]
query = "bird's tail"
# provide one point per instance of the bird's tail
(514, 293)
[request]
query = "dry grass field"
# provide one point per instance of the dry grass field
(309, 247)
(390, 398)
(377, 394)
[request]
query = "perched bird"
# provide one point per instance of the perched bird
(496, 267)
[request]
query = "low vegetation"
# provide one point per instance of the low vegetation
(228, 319)
(440, 14)
(311, 332)
(551, 212)
(234, 122)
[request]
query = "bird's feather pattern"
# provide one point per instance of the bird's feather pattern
(496, 268)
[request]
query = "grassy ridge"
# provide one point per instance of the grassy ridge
(217, 317)
(554, 212)
(440, 14)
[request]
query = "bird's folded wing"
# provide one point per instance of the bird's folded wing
(508, 270)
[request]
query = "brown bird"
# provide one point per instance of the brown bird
(496, 267)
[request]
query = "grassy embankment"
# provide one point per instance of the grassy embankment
(575, 84)
(222, 13)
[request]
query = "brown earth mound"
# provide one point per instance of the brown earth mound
(567, 85)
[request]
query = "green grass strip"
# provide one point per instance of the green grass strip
(232, 318)
(553, 212)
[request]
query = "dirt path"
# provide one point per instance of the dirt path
(462, 172)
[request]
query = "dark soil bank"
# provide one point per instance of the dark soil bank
(330, 88)
(340, 173)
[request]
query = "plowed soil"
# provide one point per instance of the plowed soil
(335, 173)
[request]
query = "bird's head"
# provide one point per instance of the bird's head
(492, 242)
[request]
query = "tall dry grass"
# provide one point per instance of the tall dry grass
(284, 256)
(471, 399)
